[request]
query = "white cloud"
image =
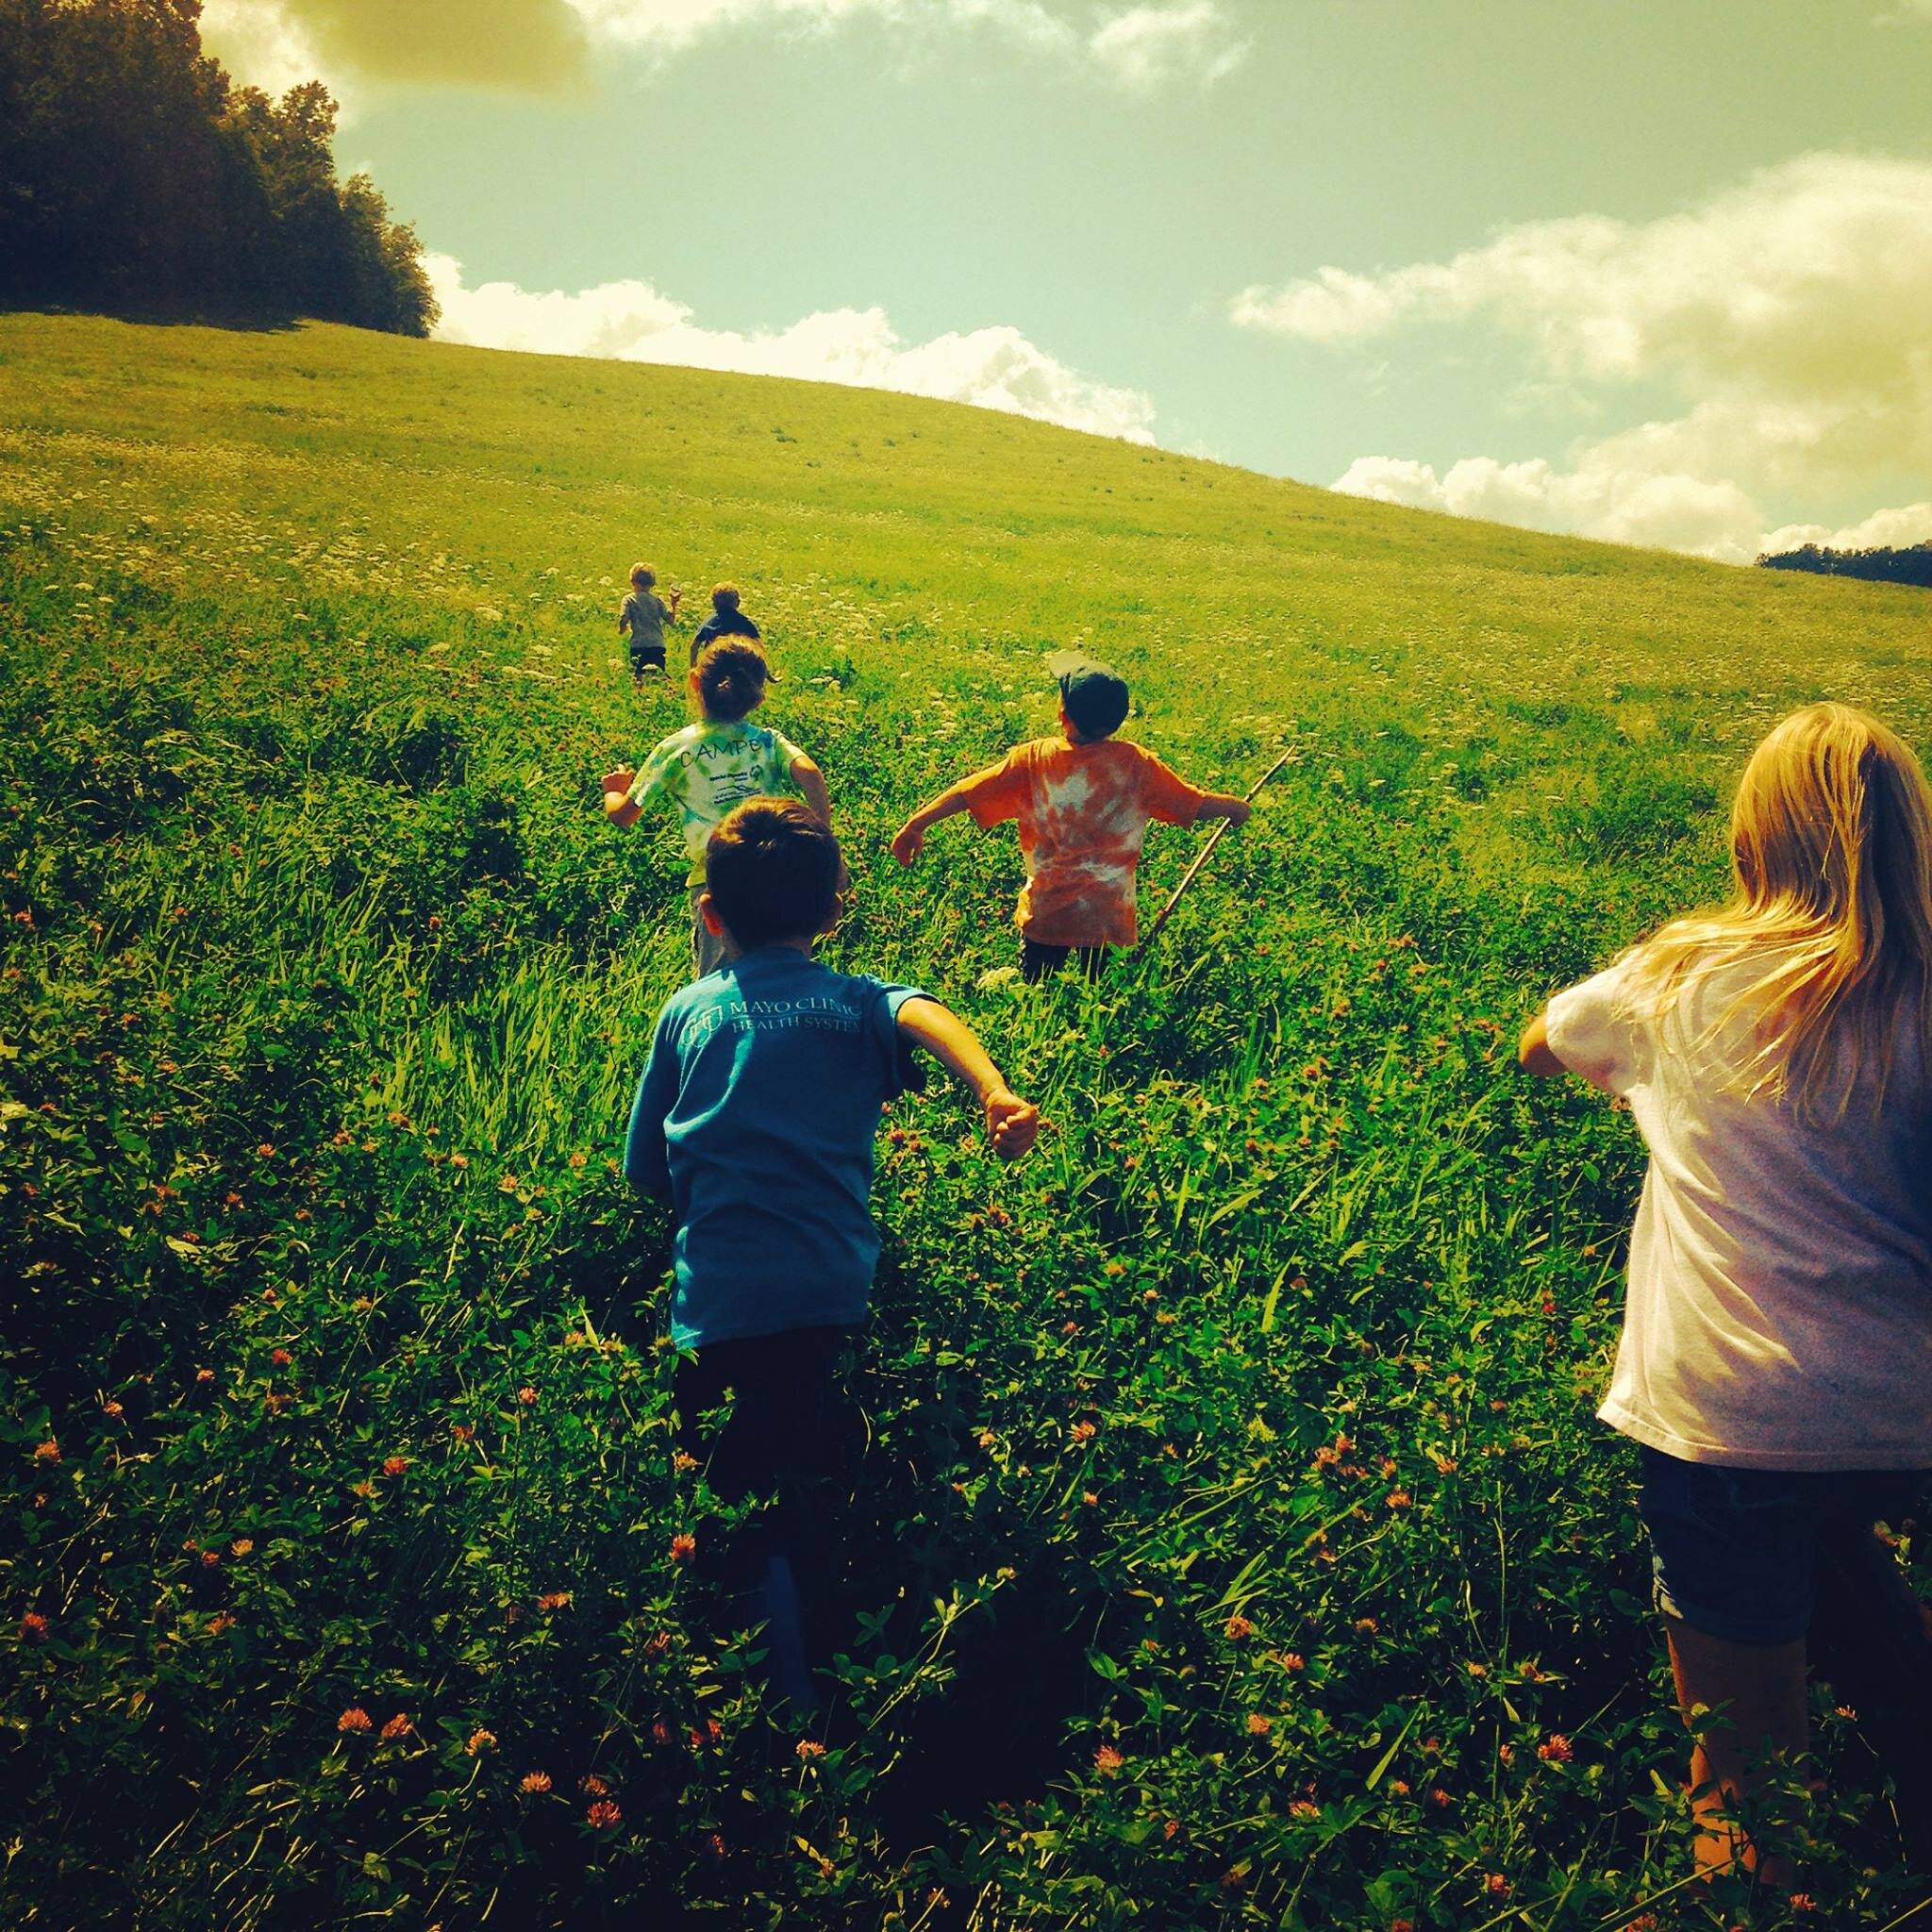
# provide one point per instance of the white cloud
(1892, 529)
(1148, 46)
(261, 46)
(545, 45)
(995, 368)
(1789, 312)
(1621, 506)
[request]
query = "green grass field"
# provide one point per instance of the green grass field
(1224, 1539)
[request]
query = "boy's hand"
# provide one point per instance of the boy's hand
(1012, 1124)
(909, 841)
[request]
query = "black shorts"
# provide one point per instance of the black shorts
(645, 656)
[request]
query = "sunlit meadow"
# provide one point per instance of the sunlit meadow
(1223, 1537)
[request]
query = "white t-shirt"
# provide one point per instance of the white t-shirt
(1779, 1312)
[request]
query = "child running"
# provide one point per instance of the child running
(1083, 801)
(757, 1115)
(1776, 1365)
(644, 615)
(714, 764)
(726, 621)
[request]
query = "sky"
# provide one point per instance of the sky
(1657, 270)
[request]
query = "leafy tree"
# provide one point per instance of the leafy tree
(134, 175)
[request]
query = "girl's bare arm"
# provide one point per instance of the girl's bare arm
(811, 781)
(1534, 1053)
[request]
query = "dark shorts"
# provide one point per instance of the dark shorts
(1736, 1553)
(644, 656)
(1038, 961)
(777, 1437)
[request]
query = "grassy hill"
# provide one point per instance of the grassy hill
(1225, 1530)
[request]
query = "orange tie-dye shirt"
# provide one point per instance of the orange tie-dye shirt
(1083, 811)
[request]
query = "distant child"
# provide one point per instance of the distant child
(711, 766)
(726, 621)
(644, 615)
(755, 1115)
(1083, 801)
(1775, 1366)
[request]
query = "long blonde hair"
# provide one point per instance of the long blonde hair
(1831, 854)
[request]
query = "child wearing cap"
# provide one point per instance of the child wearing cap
(726, 621)
(1083, 800)
(755, 1116)
(714, 764)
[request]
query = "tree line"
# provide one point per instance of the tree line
(136, 176)
(1910, 565)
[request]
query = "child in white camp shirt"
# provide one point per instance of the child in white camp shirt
(1776, 1355)
(714, 765)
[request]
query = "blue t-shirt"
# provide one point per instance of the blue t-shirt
(723, 623)
(757, 1113)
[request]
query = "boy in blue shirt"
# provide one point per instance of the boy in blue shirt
(755, 1116)
(726, 621)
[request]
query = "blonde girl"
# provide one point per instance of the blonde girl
(714, 764)
(1776, 1363)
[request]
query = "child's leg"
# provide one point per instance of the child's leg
(1094, 960)
(1734, 1558)
(773, 1442)
(707, 947)
(1038, 961)
(1758, 1691)
(1872, 1640)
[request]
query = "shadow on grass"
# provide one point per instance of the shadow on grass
(145, 315)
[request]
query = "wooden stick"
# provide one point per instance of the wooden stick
(1166, 912)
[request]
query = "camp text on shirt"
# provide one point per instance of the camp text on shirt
(706, 768)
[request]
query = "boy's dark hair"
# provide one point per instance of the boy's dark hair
(1095, 698)
(724, 598)
(729, 678)
(773, 870)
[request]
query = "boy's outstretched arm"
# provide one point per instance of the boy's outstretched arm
(811, 781)
(1534, 1053)
(1224, 804)
(1012, 1124)
(909, 841)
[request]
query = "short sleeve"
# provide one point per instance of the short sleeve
(1166, 796)
(658, 775)
(996, 794)
(905, 1070)
(1590, 1030)
(783, 755)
